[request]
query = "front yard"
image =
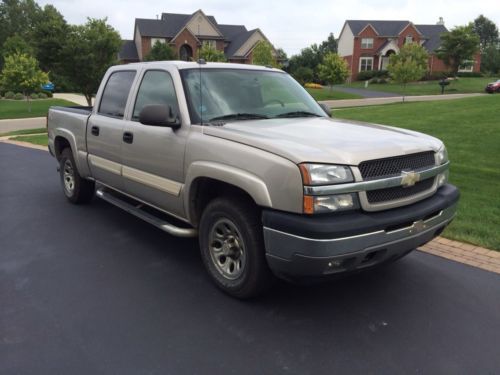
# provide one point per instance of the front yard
(459, 86)
(470, 129)
(325, 94)
(14, 109)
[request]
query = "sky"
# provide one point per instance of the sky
(291, 25)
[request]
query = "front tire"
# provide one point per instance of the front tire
(232, 247)
(76, 189)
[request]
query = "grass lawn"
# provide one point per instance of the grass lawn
(460, 86)
(326, 94)
(470, 129)
(25, 131)
(40, 139)
(11, 109)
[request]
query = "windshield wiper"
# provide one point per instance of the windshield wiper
(298, 114)
(239, 116)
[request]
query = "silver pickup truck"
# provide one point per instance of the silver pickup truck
(244, 158)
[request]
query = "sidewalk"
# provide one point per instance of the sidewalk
(10, 125)
(335, 104)
(75, 98)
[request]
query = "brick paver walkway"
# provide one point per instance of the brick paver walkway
(464, 253)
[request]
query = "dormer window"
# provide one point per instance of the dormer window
(408, 39)
(366, 43)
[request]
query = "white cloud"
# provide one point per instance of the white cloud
(292, 24)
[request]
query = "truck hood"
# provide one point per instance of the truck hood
(325, 140)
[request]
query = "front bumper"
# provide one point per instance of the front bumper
(300, 245)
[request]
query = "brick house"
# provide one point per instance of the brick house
(367, 45)
(186, 33)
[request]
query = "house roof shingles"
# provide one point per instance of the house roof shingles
(171, 24)
(128, 51)
(431, 33)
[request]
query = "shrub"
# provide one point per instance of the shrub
(9, 95)
(469, 74)
(18, 96)
(42, 95)
(303, 74)
(366, 75)
(34, 96)
(313, 86)
(47, 94)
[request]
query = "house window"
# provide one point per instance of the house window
(211, 43)
(467, 66)
(366, 43)
(365, 63)
(157, 40)
(408, 39)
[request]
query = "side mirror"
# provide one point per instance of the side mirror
(159, 115)
(326, 108)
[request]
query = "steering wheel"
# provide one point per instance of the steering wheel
(274, 101)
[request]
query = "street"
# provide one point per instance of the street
(94, 290)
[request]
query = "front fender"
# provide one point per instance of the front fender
(244, 180)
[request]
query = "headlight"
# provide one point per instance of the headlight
(330, 203)
(324, 174)
(442, 155)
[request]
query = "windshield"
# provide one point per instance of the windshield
(236, 94)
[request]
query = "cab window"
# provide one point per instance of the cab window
(156, 87)
(115, 95)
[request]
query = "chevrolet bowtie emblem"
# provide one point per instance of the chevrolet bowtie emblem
(409, 178)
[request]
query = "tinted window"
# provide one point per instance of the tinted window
(157, 87)
(114, 97)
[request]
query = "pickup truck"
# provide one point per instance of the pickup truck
(246, 160)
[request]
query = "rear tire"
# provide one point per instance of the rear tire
(76, 189)
(232, 247)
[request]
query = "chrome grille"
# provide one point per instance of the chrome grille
(398, 192)
(389, 167)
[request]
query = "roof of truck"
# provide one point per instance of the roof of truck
(209, 65)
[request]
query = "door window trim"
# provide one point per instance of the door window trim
(139, 89)
(98, 110)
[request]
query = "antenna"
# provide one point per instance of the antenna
(200, 62)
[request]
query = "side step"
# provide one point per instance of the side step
(146, 216)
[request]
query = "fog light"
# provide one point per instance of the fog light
(443, 178)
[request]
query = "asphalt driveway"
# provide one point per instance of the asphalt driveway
(93, 290)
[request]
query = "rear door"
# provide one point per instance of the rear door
(153, 156)
(105, 129)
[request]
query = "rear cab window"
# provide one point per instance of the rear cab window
(115, 94)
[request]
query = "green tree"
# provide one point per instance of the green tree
(21, 73)
(333, 70)
(309, 57)
(209, 53)
(329, 45)
(48, 37)
(303, 75)
(490, 60)
(486, 30)
(410, 64)
(17, 45)
(263, 54)
(458, 47)
(89, 51)
(160, 52)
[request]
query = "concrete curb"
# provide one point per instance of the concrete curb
(345, 103)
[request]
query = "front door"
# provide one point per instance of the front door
(153, 160)
(105, 129)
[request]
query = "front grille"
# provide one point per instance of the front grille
(398, 192)
(389, 167)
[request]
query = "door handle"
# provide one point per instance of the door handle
(128, 137)
(95, 130)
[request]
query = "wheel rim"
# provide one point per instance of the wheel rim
(68, 177)
(227, 249)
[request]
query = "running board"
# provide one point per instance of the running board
(146, 216)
